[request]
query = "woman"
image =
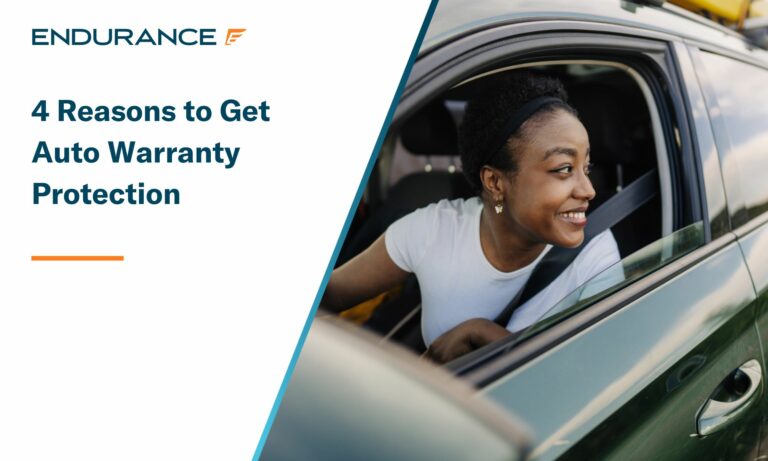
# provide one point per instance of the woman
(527, 155)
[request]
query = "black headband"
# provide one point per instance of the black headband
(514, 122)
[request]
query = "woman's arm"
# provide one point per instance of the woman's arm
(366, 275)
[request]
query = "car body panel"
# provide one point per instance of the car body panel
(567, 392)
(754, 244)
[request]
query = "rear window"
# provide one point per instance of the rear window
(742, 97)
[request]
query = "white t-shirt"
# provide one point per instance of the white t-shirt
(441, 245)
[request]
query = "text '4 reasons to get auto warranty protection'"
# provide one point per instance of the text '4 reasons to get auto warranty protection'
(131, 151)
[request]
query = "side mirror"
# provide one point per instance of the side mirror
(351, 399)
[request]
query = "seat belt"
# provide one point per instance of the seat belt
(607, 215)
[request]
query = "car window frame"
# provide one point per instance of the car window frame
(446, 66)
(711, 182)
(737, 210)
(457, 61)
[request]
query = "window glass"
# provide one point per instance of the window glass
(742, 96)
(626, 271)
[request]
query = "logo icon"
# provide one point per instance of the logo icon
(232, 35)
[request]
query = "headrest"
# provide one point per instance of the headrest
(418, 190)
(431, 131)
(606, 114)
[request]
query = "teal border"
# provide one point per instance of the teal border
(345, 229)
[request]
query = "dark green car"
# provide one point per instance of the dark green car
(661, 356)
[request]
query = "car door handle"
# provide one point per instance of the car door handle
(734, 395)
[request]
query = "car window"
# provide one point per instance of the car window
(628, 141)
(623, 273)
(611, 280)
(743, 105)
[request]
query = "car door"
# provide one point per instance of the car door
(739, 114)
(669, 366)
(632, 377)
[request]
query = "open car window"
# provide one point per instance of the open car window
(630, 137)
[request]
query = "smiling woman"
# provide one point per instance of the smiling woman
(631, 363)
(526, 154)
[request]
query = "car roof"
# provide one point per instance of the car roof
(455, 18)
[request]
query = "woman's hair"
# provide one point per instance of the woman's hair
(487, 115)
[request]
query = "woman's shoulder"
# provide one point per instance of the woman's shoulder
(602, 247)
(604, 239)
(456, 207)
(409, 238)
(443, 215)
(446, 216)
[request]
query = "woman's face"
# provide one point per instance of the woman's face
(547, 197)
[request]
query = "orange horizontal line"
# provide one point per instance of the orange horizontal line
(78, 258)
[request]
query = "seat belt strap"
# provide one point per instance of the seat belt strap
(623, 204)
(607, 215)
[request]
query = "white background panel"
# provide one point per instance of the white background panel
(178, 352)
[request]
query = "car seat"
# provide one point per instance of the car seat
(616, 117)
(430, 132)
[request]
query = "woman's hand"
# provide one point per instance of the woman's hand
(464, 338)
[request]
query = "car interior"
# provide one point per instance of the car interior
(419, 164)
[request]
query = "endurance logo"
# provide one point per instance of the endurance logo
(131, 37)
(232, 35)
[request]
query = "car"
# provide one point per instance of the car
(665, 361)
